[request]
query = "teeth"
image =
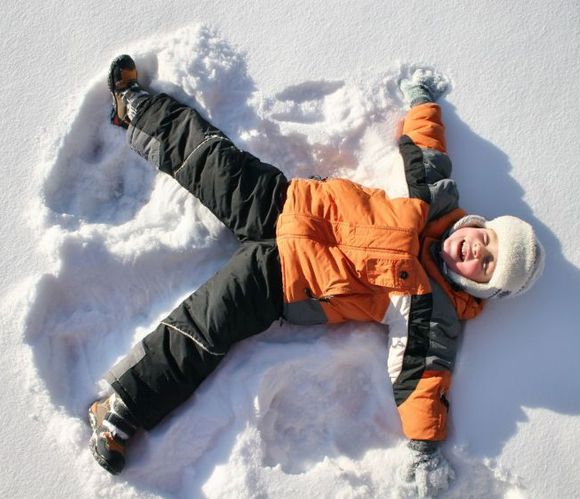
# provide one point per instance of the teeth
(463, 250)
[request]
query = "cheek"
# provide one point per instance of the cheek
(447, 259)
(469, 269)
(447, 252)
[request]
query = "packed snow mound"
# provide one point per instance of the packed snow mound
(292, 412)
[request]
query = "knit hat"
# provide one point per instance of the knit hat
(520, 259)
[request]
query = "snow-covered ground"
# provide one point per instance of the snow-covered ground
(97, 247)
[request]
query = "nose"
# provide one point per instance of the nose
(479, 251)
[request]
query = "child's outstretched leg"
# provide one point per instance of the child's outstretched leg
(164, 369)
(243, 192)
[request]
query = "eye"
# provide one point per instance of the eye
(485, 264)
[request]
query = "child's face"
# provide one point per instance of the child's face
(471, 252)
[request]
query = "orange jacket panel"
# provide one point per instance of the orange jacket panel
(424, 126)
(348, 246)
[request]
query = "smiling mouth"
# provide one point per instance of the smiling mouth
(462, 251)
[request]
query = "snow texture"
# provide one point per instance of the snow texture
(294, 411)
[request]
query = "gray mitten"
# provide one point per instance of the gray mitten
(426, 468)
(424, 85)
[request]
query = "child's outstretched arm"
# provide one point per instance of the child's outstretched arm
(423, 124)
(422, 377)
(422, 143)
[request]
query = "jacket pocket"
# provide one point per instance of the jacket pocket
(391, 273)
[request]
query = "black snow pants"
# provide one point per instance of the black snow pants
(243, 298)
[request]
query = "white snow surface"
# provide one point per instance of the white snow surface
(98, 247)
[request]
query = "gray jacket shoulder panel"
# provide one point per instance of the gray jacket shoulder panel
(444, 198)
(444, 194)
(437, 165)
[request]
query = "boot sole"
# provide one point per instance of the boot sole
(114, 63)
(115, 120)
(102, 462)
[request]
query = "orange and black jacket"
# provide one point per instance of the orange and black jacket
(353, 253)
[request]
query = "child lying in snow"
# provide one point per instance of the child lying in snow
(315, 251)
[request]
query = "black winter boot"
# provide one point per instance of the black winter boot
(112, 426)
(124, 88)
